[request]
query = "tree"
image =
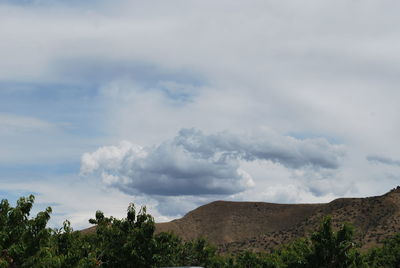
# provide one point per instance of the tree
(333, 250)
(73, 249)
(131, 242)
(167, 250)
(294, 255)
(126, 242)
(24, 241)
(386, 256)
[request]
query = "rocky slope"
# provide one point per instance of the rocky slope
(235, 226)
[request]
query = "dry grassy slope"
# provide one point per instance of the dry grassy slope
(255, 225)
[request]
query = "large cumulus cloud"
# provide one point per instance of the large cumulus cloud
(193, 163)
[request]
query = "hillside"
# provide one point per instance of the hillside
(236, 226)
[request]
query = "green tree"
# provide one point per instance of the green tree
(198, 253)
(131, 242)
(72, 248)
(294, 255)
(167, 250)
(333, 250)
(24, 241)
(126, 242)
(386, 256)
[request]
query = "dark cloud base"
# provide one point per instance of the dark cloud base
(193, 163)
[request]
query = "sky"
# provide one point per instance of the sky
(174, 104)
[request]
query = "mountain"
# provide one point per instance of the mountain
(234, 226)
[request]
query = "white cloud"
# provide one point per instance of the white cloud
(315, 69)
(167, 169)
(193, 163)
(294, 194)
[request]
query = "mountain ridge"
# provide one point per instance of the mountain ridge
(235, 226)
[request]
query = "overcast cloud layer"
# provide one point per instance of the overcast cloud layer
(177, 103)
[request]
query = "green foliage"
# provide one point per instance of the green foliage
(197, 253)
(386, 256)
(72, 248)
(167, 250)
(250, 259)
(24, 241)
(332, 249)
(294, 255)
(131, 242)
(127, 242)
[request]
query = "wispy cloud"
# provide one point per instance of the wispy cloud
(50, 2)
(383, 160)
(12, 124)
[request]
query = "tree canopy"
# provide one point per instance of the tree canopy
(26, 241)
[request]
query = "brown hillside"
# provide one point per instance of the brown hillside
(236, 226)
